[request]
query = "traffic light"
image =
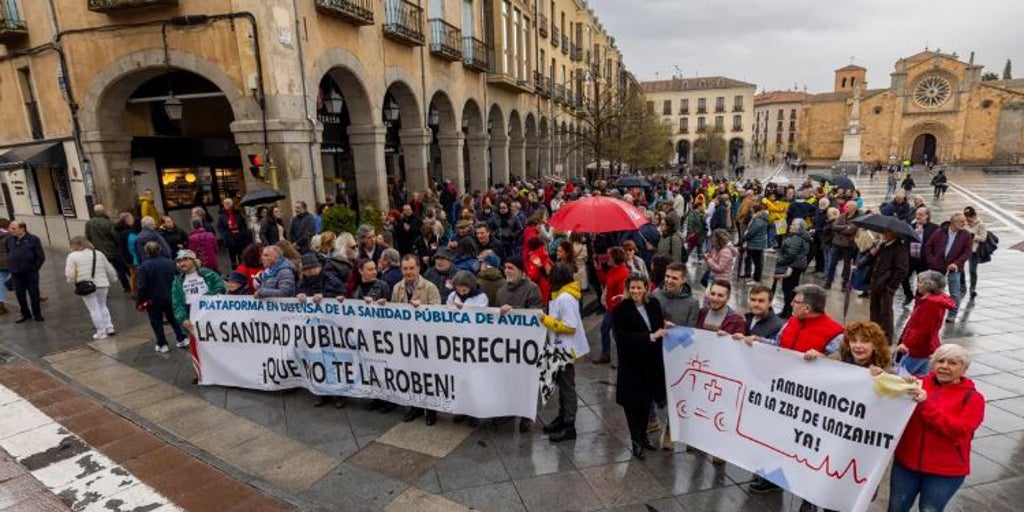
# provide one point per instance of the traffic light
(256, 166)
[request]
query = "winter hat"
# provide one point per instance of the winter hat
(309, 260)
(237, 277)
(516, 261)
(185, 254)
(492, 260)
(444, 253)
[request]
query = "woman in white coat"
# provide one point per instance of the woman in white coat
(78, 268)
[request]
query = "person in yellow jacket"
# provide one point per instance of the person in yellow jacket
(147, 205)
(777, 209)
(569, 341)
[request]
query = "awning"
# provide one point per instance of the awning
(42, 154)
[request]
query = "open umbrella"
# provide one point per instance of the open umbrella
(843, 182)
(883, 223)
(597, 214)
(826, 178)
(632, 182)
(262, 196)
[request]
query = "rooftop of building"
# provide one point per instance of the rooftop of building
(852, 67)
(772, 97)
(692, 84)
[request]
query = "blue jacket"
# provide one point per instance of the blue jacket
(156, 279)
(150, 235)
(756, 236)
(24, 254)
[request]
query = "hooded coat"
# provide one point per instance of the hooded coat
(937, 439)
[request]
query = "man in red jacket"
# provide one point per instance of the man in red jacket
(718, 316)
(810, 330)
(946, 251)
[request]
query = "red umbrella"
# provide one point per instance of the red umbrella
(597, 214)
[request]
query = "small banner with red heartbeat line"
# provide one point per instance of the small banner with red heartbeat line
(817, 428)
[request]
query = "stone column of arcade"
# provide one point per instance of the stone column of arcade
(111, 158)
(499, 158)
(544, 167)
(451, 159)
(517, 157)
(477, 145)
(367, 143)
(415, 149)
(532, 158)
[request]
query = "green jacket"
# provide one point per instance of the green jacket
(100, 231)
(213, 282)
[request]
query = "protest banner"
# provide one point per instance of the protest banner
(816, 428)
(471, 361)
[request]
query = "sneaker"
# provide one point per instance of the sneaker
(182, 344)
(567, 434)
(762, 486)
(99, 336)
(163, 349)
(111, 332)
(752, 282)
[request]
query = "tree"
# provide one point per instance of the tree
(1007, 72)
(616, 127)
(989, 76)
(710, 149)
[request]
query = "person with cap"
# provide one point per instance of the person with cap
(278, 276)
(490, 276)
(192, 283)
(414, 289)
(154, 296)
(315, 285)
(519, 292)
(442, 272)
(463, 229)
(237, 284)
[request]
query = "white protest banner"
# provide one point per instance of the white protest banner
(472, 361)
(816, 428)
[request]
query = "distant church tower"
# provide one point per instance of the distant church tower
(849, 77)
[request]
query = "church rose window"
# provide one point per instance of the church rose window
(932, 91)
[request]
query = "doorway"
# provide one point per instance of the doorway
(924, 149)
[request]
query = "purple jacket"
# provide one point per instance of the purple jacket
(935, 249)
(204, 244)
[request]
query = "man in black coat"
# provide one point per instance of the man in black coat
(234, 231)
(303, 227)
(24, 259)
(155, 278)
(890, 260)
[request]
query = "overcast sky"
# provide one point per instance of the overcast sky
(777, 43)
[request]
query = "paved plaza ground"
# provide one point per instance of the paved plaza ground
(213, 448)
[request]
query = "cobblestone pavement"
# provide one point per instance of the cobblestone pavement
(351, 459)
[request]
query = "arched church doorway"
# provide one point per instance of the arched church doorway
(924, 149)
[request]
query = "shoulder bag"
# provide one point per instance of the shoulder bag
(88, 287)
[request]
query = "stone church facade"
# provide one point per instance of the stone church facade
(936, 108)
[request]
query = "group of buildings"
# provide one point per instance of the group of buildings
(202, 100)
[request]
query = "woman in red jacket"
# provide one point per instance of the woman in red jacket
(612, 274)
(933, 456)
(920, 337)
(537, 264)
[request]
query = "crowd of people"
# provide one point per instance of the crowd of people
(494, 248)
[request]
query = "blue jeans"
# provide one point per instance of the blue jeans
(606, 333)
(935, 491)
(953, 281)
(4, 276)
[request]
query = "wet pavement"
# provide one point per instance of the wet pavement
(353, 459)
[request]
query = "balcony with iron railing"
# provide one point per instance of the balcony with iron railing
(403, 22)
(737, 108)
(702, 110)
(540, 84)
(474, 54)
(109, 6)
(684, 130)
(719, 109)
(565, 44)
(542, 25)
(357, 12)
(445, 40)
(555, 37)
(576, 53)
(737, 128)
(12, 27)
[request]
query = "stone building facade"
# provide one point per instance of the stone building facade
(205, 99)
(693, 106)
(936, 108)
(776, 123)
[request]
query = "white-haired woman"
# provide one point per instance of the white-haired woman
(920, 336)
(86, 264)
(933, 456)
(338, 256)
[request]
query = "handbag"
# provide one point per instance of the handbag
(83, 288)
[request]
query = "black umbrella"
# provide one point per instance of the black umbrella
(632, 182)
(883, 223)
(262, 196)
(843, 182)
